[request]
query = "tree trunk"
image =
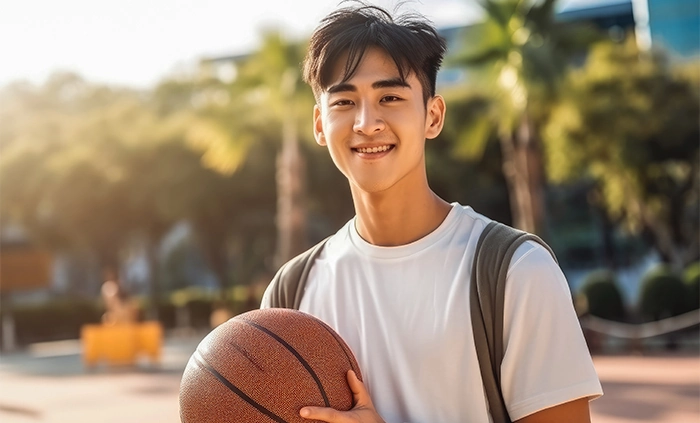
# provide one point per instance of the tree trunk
(522, 168)
(291, 205)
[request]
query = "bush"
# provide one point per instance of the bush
(602, 296)
(56, 320)
(663, 294)
(200, 311)
(691, 278)
(166, 314)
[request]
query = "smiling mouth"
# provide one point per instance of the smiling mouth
(371, 150)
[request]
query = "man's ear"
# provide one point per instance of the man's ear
(318, 127)
(435, 116)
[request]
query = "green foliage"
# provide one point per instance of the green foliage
(517, 56)
(181, 297)
(59, 149)
(663, 294)
(520, 53)
(691, 278)
(602, 296)
(96, 168)
(629, 121)
(468, 123)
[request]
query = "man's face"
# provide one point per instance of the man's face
(375, 124)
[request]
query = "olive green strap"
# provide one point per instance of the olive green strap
(288, 284)
(492, 258)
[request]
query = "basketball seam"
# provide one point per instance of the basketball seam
(203, 363)
(342, 347)
(296, 354)
(246, 355)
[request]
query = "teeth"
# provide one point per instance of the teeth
(374, 149)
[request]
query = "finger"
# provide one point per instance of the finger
(324, 414)
(356, 385)
(359, 392)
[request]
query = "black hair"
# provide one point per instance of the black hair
(410, 39)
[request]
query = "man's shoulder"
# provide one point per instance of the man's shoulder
(303, 258)
(529, 251)
(532, 254)
(282, 290)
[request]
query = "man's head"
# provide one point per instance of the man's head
(411, 41)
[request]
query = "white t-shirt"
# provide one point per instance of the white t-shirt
(404, 311)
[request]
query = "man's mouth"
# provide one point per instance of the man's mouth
(370, 150)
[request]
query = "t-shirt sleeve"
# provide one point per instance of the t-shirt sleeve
(546, 360)
(266, 301)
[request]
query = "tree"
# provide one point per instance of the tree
(276, 95)
(629, 121)
(61, 179)
(230, 196)
(519, 52)
(467, 151)
(92, 168)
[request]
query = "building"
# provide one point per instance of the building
(674, 25)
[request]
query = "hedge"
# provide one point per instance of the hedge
(61, 319)
(663, 294)
(691, 278)
(602, 296)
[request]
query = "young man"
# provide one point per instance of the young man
(394, 281)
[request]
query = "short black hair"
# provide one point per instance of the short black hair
(410, 39)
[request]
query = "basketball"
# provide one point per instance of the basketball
(264, 366)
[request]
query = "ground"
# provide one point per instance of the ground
(48, 383)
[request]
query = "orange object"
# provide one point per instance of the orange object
(150, 340)
(24, 269)
(121, 344)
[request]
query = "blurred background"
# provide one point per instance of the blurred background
(160, 155)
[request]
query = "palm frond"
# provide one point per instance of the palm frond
(500, 11)
(541, 15)
(482, 58)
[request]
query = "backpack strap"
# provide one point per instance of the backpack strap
(287, 287)
(492, 258)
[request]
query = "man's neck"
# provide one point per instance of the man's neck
(399, 215)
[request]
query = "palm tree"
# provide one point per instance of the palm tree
(520, 52)
(278, 98)
(267, 97)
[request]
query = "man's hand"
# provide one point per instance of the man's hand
(362, 412)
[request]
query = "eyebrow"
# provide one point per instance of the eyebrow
(383, 83)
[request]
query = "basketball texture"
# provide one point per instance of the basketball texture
(265, 365)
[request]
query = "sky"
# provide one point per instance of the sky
(139, 42)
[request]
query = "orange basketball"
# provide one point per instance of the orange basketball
(264, 366)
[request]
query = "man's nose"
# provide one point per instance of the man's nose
(368, 120)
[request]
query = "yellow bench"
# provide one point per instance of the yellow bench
(121, 343)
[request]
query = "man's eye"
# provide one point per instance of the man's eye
(342, 103)
(390, 98)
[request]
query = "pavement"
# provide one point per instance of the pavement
(48, 383)
(651, 388)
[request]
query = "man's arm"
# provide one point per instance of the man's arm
(576, 411)
(547, 372)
